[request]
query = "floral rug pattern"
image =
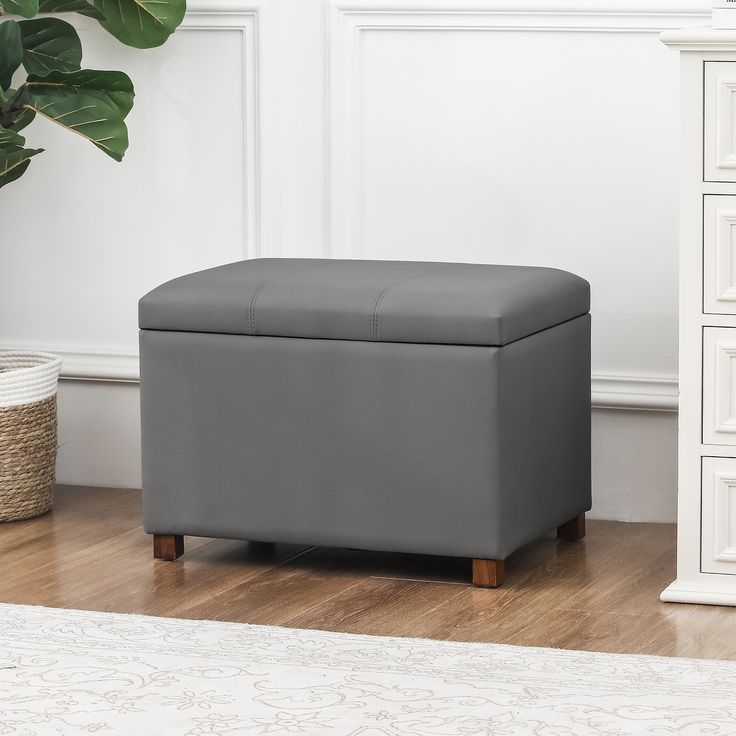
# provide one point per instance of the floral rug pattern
(77, 672)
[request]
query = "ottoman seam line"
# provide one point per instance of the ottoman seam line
(374, 319)
(252, 306)
(374, 314)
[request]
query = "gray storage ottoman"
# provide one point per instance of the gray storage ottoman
(408, 407)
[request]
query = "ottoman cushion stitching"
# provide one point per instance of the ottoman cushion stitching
(384, 291)
(374, 330)
(250, 305)
(263, 284)
(493, 306)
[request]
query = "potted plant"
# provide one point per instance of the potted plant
(41, 77)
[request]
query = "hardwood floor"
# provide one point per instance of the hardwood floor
(598, 594)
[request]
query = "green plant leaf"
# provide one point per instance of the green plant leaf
(142, 24)
(19, 119)
(14, 162)
(26, 8)
(10, 48)
(84, 7)
(83, 113)
(13, 117)
(10, 139)
(50, 44)
(113, 88)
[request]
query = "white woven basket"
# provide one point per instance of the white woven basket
(26, 377)
(28, 383)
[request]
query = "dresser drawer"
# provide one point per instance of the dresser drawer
(718, 538)
(720, 121)
(719, 254)
(719, 386)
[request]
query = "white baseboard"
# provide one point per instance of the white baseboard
(87, 365)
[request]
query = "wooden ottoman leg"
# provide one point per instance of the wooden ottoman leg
(488, 573)
(573, 530)
(168, 546)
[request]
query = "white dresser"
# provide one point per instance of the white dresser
(706, 548)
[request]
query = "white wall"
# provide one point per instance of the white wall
(531, 132)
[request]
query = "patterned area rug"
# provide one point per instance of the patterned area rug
(74, 672)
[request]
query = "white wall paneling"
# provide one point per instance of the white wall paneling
(634, 466)
(186, 197)
(99, 434)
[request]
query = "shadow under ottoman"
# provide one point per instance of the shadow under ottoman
(407, 407)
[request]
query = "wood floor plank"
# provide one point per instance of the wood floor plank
(601, 593)
(169, 588)
(377, 606)
(291, 590)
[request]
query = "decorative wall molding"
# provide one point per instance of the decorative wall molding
(605, 7)
(646, 393)
(224, 7)
(609, 390)
(350, 20)
(243, 17)
(644, 17)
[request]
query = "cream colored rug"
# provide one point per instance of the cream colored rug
(74, 672)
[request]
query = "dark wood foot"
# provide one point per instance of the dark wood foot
(488, 573)
(573, 530)
(168, 546)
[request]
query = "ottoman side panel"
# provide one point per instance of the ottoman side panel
(343, 443)
(544, 431)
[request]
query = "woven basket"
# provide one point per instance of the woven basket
(27, 433)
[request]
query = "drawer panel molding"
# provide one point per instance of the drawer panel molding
(719, 256)
(719, 386)
(720, 117)
(719, 515)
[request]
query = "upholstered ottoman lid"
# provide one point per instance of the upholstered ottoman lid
(387, 301)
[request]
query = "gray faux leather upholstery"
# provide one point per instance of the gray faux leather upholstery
(448, 450)
(386, 301)
(401, 439)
